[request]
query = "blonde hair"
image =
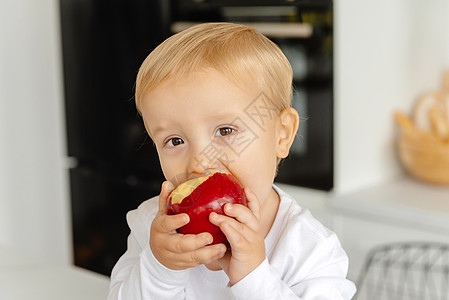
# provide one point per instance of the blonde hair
(239, 52)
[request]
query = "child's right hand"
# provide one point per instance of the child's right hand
(179, 251)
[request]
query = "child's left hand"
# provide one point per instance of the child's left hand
(241, 226)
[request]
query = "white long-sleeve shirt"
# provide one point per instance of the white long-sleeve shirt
(304, 260)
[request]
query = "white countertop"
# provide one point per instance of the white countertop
(403, 200)
(414, 203)
(25, 278)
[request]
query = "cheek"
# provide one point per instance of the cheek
(171, 167)
(257, 168)
(261, 150)
(259, 184)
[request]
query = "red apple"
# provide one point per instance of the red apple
(201, 196)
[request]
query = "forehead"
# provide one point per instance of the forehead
(208, 96)
(195, 89)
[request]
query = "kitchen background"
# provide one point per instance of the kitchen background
(112, 157)
(386, 53)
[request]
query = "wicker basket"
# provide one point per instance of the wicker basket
(428, 161)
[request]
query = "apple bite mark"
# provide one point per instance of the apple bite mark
(185, 189)
(201, 196)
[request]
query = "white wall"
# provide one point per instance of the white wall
(33, 183)
(386, 54)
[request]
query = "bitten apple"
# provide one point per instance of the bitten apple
(201, 196)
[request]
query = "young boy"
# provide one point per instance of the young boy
(216, 97)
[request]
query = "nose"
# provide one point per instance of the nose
(200, 163)
(205, 160)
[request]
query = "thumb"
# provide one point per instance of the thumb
(166, 189)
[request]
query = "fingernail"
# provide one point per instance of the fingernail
(169, 186)
(229, 206)
(186, 218)
(223, 250)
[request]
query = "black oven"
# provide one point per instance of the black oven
(114, 166)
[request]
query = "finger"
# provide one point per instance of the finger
(181, 243)
(235, 236)
(210, 253)
(242, 214)
(253, 202)
(203, 255)
(168, 224)
(166, 189)
(220, 220)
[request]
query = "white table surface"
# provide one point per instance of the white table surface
(405, 199)
(25, 278)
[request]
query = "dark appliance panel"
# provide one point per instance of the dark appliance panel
(115, 166)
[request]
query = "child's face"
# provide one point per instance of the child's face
(206, 123)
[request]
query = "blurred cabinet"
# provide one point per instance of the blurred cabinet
(399, 211)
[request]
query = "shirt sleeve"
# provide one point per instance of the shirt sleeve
(325, 280)
(262, 283)
(139, 275)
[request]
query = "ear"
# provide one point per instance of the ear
(289, 122)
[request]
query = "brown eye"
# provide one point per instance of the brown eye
(174, 142)
(224, 131)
